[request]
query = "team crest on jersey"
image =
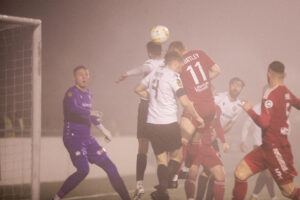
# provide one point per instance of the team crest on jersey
(179, 83)
(268, 104)
(69, 94)
(287, 96)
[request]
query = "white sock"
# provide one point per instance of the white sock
(57, 198)
(175, 178)
(255, 195)
(184, 168)
(139, 183)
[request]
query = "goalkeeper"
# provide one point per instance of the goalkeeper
(82, 147)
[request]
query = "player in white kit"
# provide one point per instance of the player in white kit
(229, 105)
(163, 87)
(155, 60)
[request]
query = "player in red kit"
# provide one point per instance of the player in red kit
(196, 75)
(275, 152)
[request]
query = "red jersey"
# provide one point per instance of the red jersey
(216, 126)
(195, 76)
(275, 109)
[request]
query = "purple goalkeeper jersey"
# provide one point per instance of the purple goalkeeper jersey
(77, 108)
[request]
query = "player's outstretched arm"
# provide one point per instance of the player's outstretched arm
(105, 132)
(121, 77)
(189, 108)
(145, 68)
(214, 71)
(262, 120)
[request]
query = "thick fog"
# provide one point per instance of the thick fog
(109, 37)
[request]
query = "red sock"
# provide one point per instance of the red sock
(219, 190)
(296, 194)
(189, 188)
(239, 190)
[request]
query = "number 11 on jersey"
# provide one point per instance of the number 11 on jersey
(193, 73)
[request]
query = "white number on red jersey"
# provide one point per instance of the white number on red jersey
(191, 70)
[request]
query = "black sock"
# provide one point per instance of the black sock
(173, 167)
(202, 184)
(270, 186)
(210, 188)
(162, 174)
(260, 182)
(141, 163)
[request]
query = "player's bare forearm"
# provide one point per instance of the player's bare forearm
(227, 127)
(122, 77)
(141, 91)
(214, 71)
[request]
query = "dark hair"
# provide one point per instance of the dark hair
(176, 46)
(154, 48)
(277, 67)
(234, 79)
(171, 56)
(78, 68)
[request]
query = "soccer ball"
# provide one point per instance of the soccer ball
(159, 34)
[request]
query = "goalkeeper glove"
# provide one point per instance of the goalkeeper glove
(105, 132)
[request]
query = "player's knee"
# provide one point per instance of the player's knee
(193, 172)
(220, 176)
(239, 174)
(83, 170)
(242, 171)
(289, 191)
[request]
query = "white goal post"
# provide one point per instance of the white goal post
(9, 23)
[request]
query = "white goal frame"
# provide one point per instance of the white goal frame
(36, 98)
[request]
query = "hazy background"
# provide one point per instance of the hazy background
(109, 37)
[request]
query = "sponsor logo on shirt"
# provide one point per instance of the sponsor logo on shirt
(268, 104)
(179, 83)
(87, 105)
(284, 130)
(69, 94)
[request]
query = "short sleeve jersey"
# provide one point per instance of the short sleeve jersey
(230, 109)
(275, 109)
(195, 76)
(162, 85)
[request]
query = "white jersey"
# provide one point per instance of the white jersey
(256, 130)
(230, 109)
(162, 84)
(148, 66)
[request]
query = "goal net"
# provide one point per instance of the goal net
(20, 107)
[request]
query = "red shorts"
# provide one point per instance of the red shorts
(199, 154)
(207, 111)
(279, 161)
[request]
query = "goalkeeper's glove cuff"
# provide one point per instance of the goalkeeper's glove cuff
(105, 132)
